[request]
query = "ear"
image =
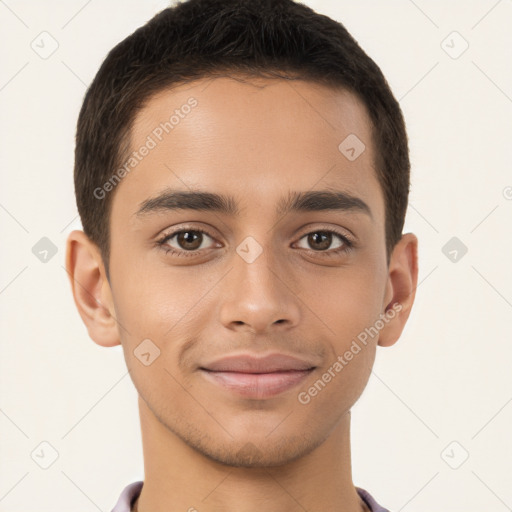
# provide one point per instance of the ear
(400, 288)
(91, 289)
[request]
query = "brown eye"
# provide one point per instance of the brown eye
(185, 242)
(322, 240)
(189, 240)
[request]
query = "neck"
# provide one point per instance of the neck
(178, 477)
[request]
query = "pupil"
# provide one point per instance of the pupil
(183, 238)
(326, 239)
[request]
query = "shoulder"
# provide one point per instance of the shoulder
(129, 494)
(370, 501)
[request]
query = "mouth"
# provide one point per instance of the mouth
(257, 385)
(253, 375)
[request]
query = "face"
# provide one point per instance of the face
(196, 279)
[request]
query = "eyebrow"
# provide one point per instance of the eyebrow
(308, 201)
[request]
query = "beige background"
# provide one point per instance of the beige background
(443, 392)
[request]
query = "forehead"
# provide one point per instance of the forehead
(254, 138)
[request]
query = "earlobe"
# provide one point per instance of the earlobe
(401, 288)
(90, 288)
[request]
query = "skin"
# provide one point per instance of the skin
(205, 447)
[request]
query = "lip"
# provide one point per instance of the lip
(248, 363)
(257, 385)
(258, 377)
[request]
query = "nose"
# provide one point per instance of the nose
(259, 296)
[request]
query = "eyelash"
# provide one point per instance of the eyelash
(348, 244)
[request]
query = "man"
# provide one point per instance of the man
(242, 176)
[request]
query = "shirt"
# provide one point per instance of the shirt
(132, 491)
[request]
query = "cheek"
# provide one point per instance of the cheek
(161, 305)
(149, 296)
(348, 307)
(346, 302)
(158, 317)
